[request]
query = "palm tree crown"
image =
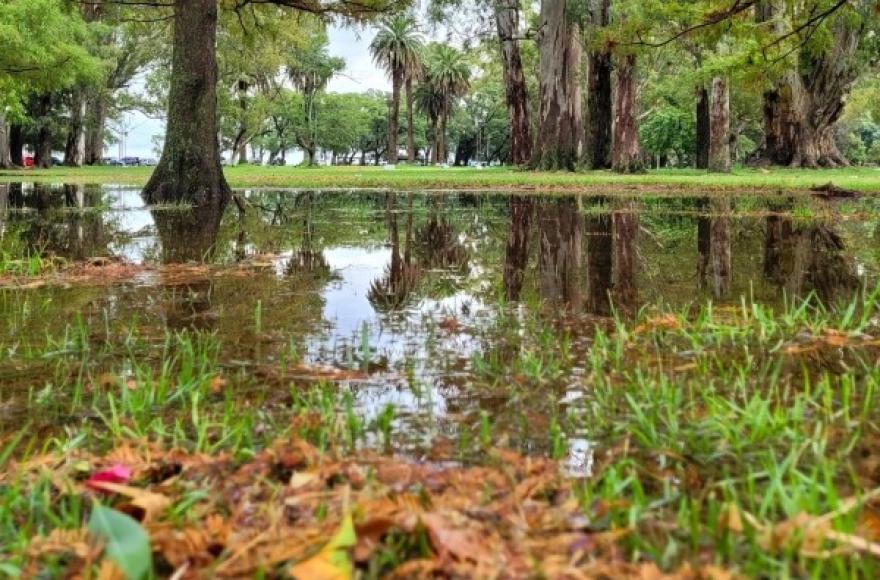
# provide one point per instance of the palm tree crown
(447, 69)
(398, 47)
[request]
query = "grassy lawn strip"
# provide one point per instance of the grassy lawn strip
(410, 178)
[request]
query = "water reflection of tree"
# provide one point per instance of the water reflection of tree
(626, 224)
(599, 263)
(804, 258)
(66, 220)
(560, 261)
(517, 252)
(437, 243)
(309, 259)
(395, 289)
(714, 244)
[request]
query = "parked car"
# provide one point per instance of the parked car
(56, 161)
(149, 162)
(131, 161)
(28, 160)
(112, 162)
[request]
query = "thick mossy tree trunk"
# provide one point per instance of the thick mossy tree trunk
(802, 109)
(95, 127)
(600, 103)
(719, 126)
(517, 252)
(189, 170)
(703, 128)
(16, 145)
(560, 127)
(394, 115)
(507, 23)
(44, 136)
(410, 122)
(5, 152)
(74, 147)
(626, 154)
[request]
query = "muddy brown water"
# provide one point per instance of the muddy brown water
(406, 288)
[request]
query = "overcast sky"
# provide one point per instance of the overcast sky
(360, 75)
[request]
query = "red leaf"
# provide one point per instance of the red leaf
(116, 474)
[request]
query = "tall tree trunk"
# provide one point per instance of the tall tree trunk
(74, 148)
(703, 128)
(189, 169)
(802, 109)
(43, 144)
(560, 137)
(719, 126)
(442, 152)
(600, 102)
(410, 123)
(626, 157)
(5, 153)
(97, 121)
(394, 116)
(517, 253)
(16, 145)
(507, 23)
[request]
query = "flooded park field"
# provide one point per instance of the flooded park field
(702, 370)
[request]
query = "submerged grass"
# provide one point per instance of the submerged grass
(425, 178)
(713, 437)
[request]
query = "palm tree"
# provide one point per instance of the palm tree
(398, 49)
(448, 74)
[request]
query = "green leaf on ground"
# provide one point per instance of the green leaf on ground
(127, 542)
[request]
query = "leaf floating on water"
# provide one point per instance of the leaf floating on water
(128, 545)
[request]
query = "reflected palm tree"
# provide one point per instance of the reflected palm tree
(396, 288)
(308, 259)
(517, 252)
(714, 246)
(560, 262)
(437, 242)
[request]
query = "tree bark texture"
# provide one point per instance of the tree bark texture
(16, 145)
(394, 115)
(507, 23)
(600, 103)
(43, 143)
(97, 121)
(626, 157)
(560, 137)
(5, 153)
(719, 126)
(189, 169)
(703, 128)
(74, 148)
(802, 109)
(410, 123)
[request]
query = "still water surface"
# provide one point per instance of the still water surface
(416, 289)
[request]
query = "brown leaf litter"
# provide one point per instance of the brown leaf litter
(295, 509)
